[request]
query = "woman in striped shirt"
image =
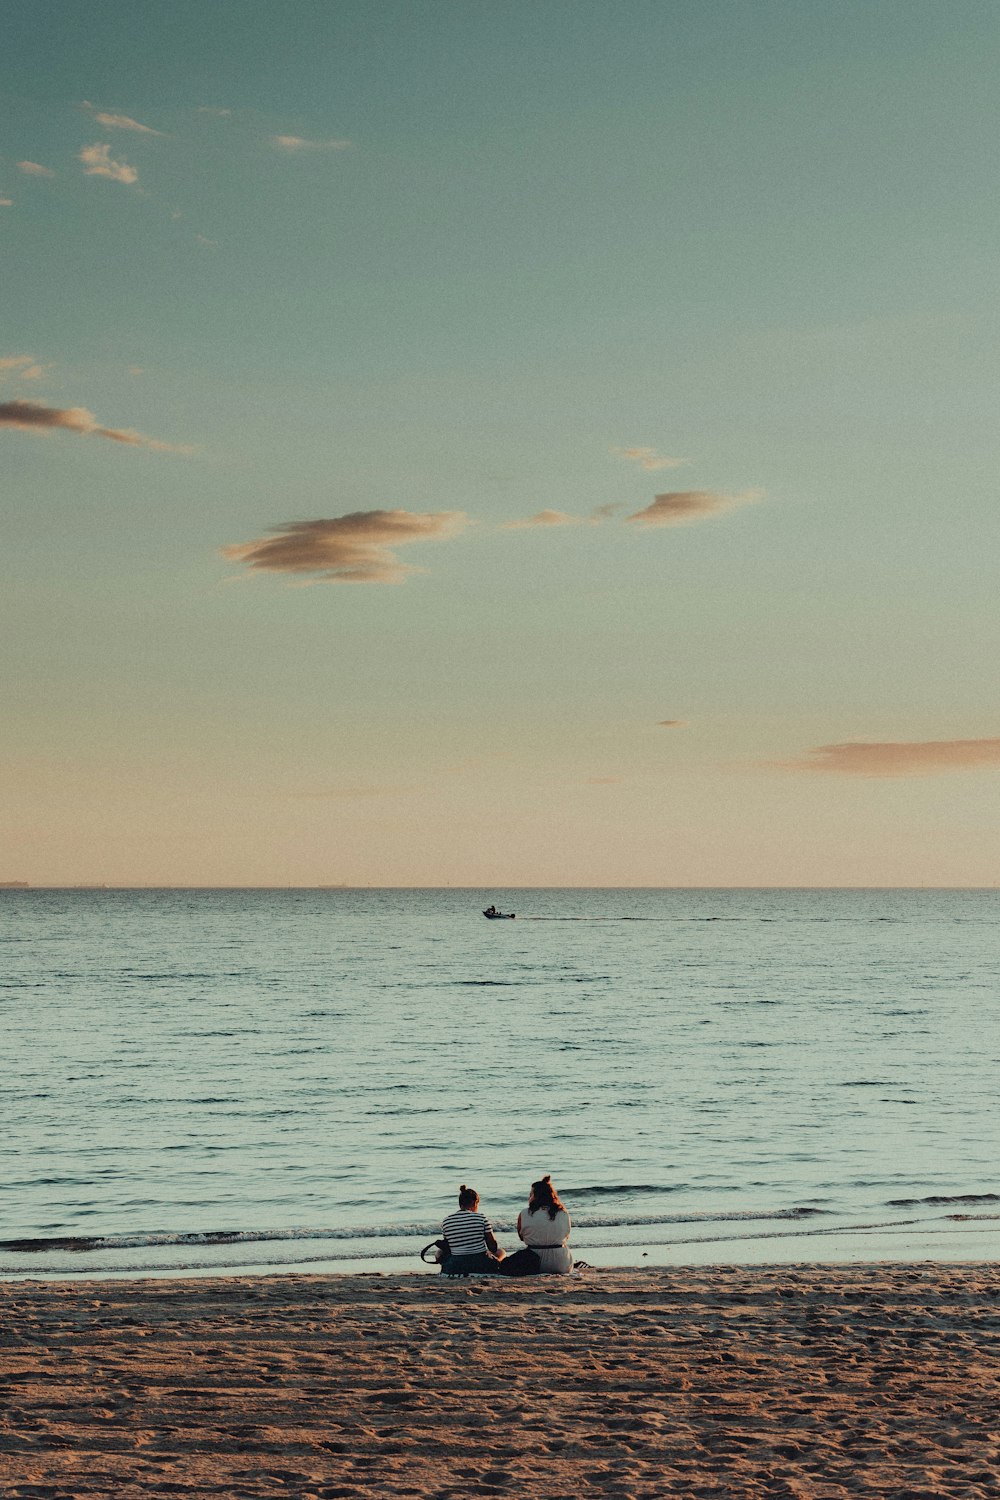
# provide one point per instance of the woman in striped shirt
(472, 1245)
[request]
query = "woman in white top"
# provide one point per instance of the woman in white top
(544, 1226)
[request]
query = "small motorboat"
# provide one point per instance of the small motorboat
(499, 916)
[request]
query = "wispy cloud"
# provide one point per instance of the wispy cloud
(671, 723)
(563, 518)
(22, 367)
(208, 109)
(119, 122)
(899, 757)
(34, 169)
(679, 507)
(6, 203)
(543, 518)
(356, 548)
(35, 416)
(97, 162)
(649, 459)
(300, 143)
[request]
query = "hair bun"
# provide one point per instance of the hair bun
(547, 1178)
(463, 1188)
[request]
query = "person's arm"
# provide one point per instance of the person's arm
(519, 1233)
(491, 1240)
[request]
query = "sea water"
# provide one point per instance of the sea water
(207, 1080)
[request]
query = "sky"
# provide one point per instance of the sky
(499, 444)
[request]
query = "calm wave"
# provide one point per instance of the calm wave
(197, 1070)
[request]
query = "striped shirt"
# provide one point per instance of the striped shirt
(466, 1232)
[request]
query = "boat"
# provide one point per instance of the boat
(499, 916)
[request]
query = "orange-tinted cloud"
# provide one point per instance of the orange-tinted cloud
(543, 518)
(355, 548)
(35, 169)
(22, 367)
(119, 122)
(299, 143)
(900, 757)
(97, 162)
(6, 203)
(671, 723)
(35, 416)
(679, 507)
(649, 459)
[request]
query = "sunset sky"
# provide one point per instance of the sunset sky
(500, 443)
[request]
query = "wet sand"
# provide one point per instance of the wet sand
(807, 1381)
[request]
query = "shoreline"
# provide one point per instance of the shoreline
(802, 1380)
(971, 1238)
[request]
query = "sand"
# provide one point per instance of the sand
(782, 1381)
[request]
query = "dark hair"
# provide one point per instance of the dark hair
(545, 1196)
(467, 1197)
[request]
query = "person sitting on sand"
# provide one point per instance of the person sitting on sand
(544, 1227)
(472, 1245)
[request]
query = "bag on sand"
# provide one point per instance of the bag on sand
(440, 1249)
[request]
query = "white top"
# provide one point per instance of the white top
(538, 1229)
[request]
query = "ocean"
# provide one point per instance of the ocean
(203, 1081)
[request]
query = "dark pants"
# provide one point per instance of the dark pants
(471, 1265)
(523, 1262)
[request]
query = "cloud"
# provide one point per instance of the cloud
(208, 109)
(35, 416)
(119, 122)
(97, 163)
(35, 169)
(562, 518)
(299, 143)
(649, 459)
(206, 243)
(22, 367)
(6, 203)
(671, 723)
(543, 518)
(681, 506)
(899, 757)
(355, 548)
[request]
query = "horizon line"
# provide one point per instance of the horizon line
(20, 885)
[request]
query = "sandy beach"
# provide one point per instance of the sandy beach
(799, 1381)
